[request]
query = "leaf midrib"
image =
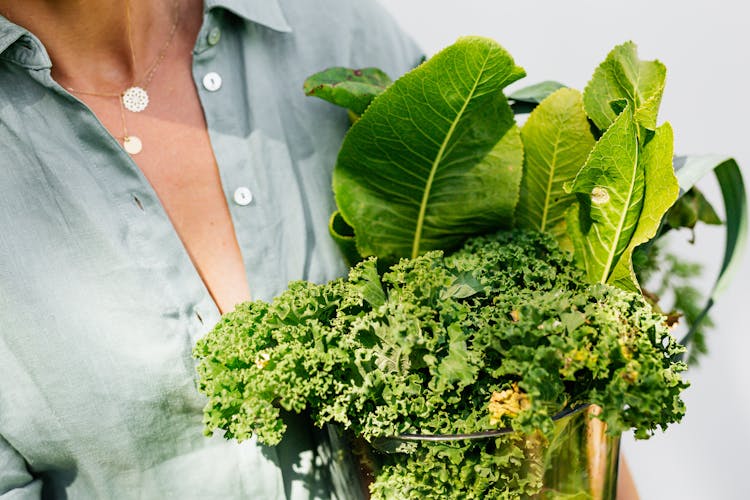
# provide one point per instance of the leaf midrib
(548, 193)
(618, 232)
(438, 159)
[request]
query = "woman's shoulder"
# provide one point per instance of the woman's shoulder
(364, 28)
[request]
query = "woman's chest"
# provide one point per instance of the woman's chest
(176, 158)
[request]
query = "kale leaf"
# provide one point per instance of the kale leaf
(428, 348)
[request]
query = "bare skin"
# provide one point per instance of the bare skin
(88, 44)
(626, 489)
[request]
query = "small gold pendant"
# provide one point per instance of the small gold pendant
(135, 99)
(132, 144)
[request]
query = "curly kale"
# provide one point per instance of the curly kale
(503, 332)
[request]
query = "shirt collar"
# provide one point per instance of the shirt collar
(9, 33)
(265, 12)
(19, 45)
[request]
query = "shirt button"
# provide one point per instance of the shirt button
(214, 36)
(243, 196)
(212, 81)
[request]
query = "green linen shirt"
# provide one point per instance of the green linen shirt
(100, 304)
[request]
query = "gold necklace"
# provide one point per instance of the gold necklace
(135, 98)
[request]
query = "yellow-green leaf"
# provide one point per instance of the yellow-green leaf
(660, 194)
(557, 140)
(623, 76)
(610, 188)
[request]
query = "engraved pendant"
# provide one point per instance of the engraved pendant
(135, 99)
(132, 144)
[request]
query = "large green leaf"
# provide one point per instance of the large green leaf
(689, 170)
(435, 158)
(622, 76)
(610, 188)
(557, 140)
(661, 191)
(353, 89)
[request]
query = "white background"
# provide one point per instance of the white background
(706, 48)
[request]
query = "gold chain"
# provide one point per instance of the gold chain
(154, 66)
(163, 52)
(126, 138)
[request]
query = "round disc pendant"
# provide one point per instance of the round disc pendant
(135, 99)
(132, 145)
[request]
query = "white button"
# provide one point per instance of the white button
(212, 81)
(243, 196)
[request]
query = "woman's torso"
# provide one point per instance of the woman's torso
(99, 299)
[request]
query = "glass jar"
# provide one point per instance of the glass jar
(579, 462)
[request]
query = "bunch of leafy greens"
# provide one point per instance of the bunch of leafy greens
(438, 157)
(435, 159)
(434, 334)
(423, 348)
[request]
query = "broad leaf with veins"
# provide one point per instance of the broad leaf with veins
(557, 140)
(436, 158)
(661, 192)
(353, 89)
(622, 76)
(610, 188)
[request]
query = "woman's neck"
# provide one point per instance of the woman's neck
(88, 40)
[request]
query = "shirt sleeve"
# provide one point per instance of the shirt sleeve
(384, 41)
(16, 483)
